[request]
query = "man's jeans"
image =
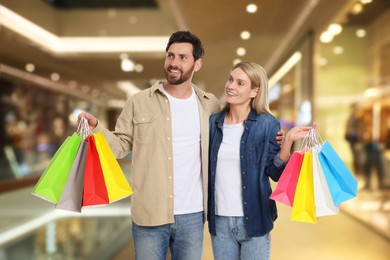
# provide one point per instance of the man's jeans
(231, 241)
(184, 239)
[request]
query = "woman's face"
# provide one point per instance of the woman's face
(238, 88)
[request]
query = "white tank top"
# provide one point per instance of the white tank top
(188, 191)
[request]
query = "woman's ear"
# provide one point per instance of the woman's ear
(254, 93)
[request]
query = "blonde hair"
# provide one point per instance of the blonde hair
(259, 79)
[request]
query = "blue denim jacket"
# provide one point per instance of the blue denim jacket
(259, 154)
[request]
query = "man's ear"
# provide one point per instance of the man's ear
(198, 64)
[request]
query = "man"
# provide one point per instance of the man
(167, 129)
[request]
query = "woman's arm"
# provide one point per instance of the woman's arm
(296, 133)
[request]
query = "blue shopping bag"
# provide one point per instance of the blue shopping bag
(342, 184)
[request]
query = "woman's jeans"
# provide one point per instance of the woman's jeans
(231, 241)
(184, 239)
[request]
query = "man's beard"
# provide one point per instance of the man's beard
(184, 76)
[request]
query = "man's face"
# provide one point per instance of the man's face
(179, 63)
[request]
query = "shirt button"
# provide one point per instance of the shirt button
(243, 173)
(170, 196)
(169, 158)
(244, 187)
(244, 202)
(167, 118)
(168, 138)
(143, 119)
(170, 177)
(242, 157)
(166, 100)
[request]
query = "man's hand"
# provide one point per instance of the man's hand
(280, 137)
(92, 121)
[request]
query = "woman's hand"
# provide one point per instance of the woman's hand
(295, 133)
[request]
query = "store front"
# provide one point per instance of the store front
(344, 86)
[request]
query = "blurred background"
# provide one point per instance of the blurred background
(328, 62)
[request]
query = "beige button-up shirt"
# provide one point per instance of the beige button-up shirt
(144, 128)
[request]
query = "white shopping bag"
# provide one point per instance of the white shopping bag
(323, 199)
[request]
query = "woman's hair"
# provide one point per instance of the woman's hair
(187, 37)
(259, 79)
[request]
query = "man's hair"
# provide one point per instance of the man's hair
(188, 37)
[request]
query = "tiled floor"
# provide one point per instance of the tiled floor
(341, 237)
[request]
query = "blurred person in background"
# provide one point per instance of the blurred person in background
(353, 135)
(373, 144)
(166, 127)
(243, 156)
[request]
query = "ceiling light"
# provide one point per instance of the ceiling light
(241, 51)
(236, 61)
(365, 1)
(322, 61)
(60, 45)
(326, 37)
(123, 56)
(245, 35)
(55, 76)
(128, 87)
(127, 65)
(286, 67)
(138, 67)
(361, 33)
(30, 67)
(251, 8)
(357, 8)
(338, 50)
(335, 28)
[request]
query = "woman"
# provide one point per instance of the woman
(243, 156)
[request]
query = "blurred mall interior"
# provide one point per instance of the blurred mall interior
(328, 62)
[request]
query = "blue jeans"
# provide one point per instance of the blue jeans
(231, 241)
(184, 239)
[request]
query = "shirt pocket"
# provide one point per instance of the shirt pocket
(256, 153)
(144, 128)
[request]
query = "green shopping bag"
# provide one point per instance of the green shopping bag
(53, 180)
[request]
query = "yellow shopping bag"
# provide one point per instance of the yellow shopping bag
(303, 209)
(117, 185)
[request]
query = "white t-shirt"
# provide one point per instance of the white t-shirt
(228, 196)
(186, 154)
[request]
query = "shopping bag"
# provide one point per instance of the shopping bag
(53, 180)
(71, 198)
(303, 208)
(285, 189)
(117, 185)
(341, 183)
(322, 197)
(95, 190)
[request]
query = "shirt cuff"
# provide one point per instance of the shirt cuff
(278, 162)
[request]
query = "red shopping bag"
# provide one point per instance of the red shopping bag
(95, 190)
(116, 182)
(285, 189)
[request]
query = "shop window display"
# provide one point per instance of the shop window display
(34, 123)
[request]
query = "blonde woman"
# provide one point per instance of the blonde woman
(244, 155)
